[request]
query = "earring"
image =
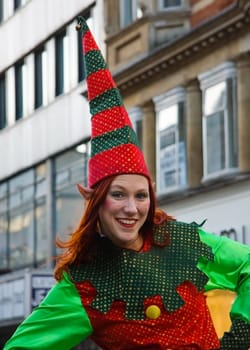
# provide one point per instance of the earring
(98, 229)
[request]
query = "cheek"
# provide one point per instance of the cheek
(110, 205)
(144, 209)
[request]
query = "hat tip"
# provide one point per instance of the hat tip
(80, 23)
(78, 27)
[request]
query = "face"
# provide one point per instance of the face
(125, 210)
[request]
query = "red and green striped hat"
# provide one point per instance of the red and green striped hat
(114, 146)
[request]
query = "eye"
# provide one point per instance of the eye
(142, 195)
(117, 194)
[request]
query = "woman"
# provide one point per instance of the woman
(135, 285)
(130, 276)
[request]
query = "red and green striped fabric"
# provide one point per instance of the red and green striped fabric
(114, 145)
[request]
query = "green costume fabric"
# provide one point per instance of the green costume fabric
(230, 270)
(133, 277)
(61, 322)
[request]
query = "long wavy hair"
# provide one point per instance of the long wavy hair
(84, 241)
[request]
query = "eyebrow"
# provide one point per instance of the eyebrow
(112, 187)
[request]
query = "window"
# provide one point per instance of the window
(1, 11)
(136, 118)
(3, 226)
(81, 63)
(81, 68)
(19, 89)
(59, 54)
(219, 120)
(17, 4)
(21, 226)
(171, 141)
(2, 101)
(40, 78)
(168, 4)
(41, 234)
(70, 169)
(129, 12)
(23, 233)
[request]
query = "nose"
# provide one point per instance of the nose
(130, 206)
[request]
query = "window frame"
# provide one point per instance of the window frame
(17, 4)
(225, 72)
(171, 7)
(3, 101)
(60, 63)
(40, 212)
(70, 167)
(19, 90)
(136, 117)
(81, 74)
(21, 205)
(174, 97)
(39, 77)
(127, 18)
(4, 229)
(1, 11)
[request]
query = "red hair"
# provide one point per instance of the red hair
(83, 242)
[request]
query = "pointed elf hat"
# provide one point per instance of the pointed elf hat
(114, 146)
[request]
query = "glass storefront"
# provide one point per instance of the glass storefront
(25, 212)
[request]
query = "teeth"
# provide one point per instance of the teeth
(128, 222)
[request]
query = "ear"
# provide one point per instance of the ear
(86, 192)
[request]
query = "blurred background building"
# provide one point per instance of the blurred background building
(183, 69)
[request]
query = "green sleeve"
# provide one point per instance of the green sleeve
(59, 322)
(229, 270)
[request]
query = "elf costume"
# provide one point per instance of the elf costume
(152, 299)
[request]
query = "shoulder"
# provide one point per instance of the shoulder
(175, 229)
(183, 237)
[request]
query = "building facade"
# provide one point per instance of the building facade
(44, 142)
(182, 67)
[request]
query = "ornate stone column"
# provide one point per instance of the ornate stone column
(148, 136)
(194, 134)
(243, 89)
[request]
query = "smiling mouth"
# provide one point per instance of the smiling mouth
(127, 222)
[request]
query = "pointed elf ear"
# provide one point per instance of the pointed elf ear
(86, 192)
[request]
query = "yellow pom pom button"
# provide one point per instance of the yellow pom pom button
(153, 312)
